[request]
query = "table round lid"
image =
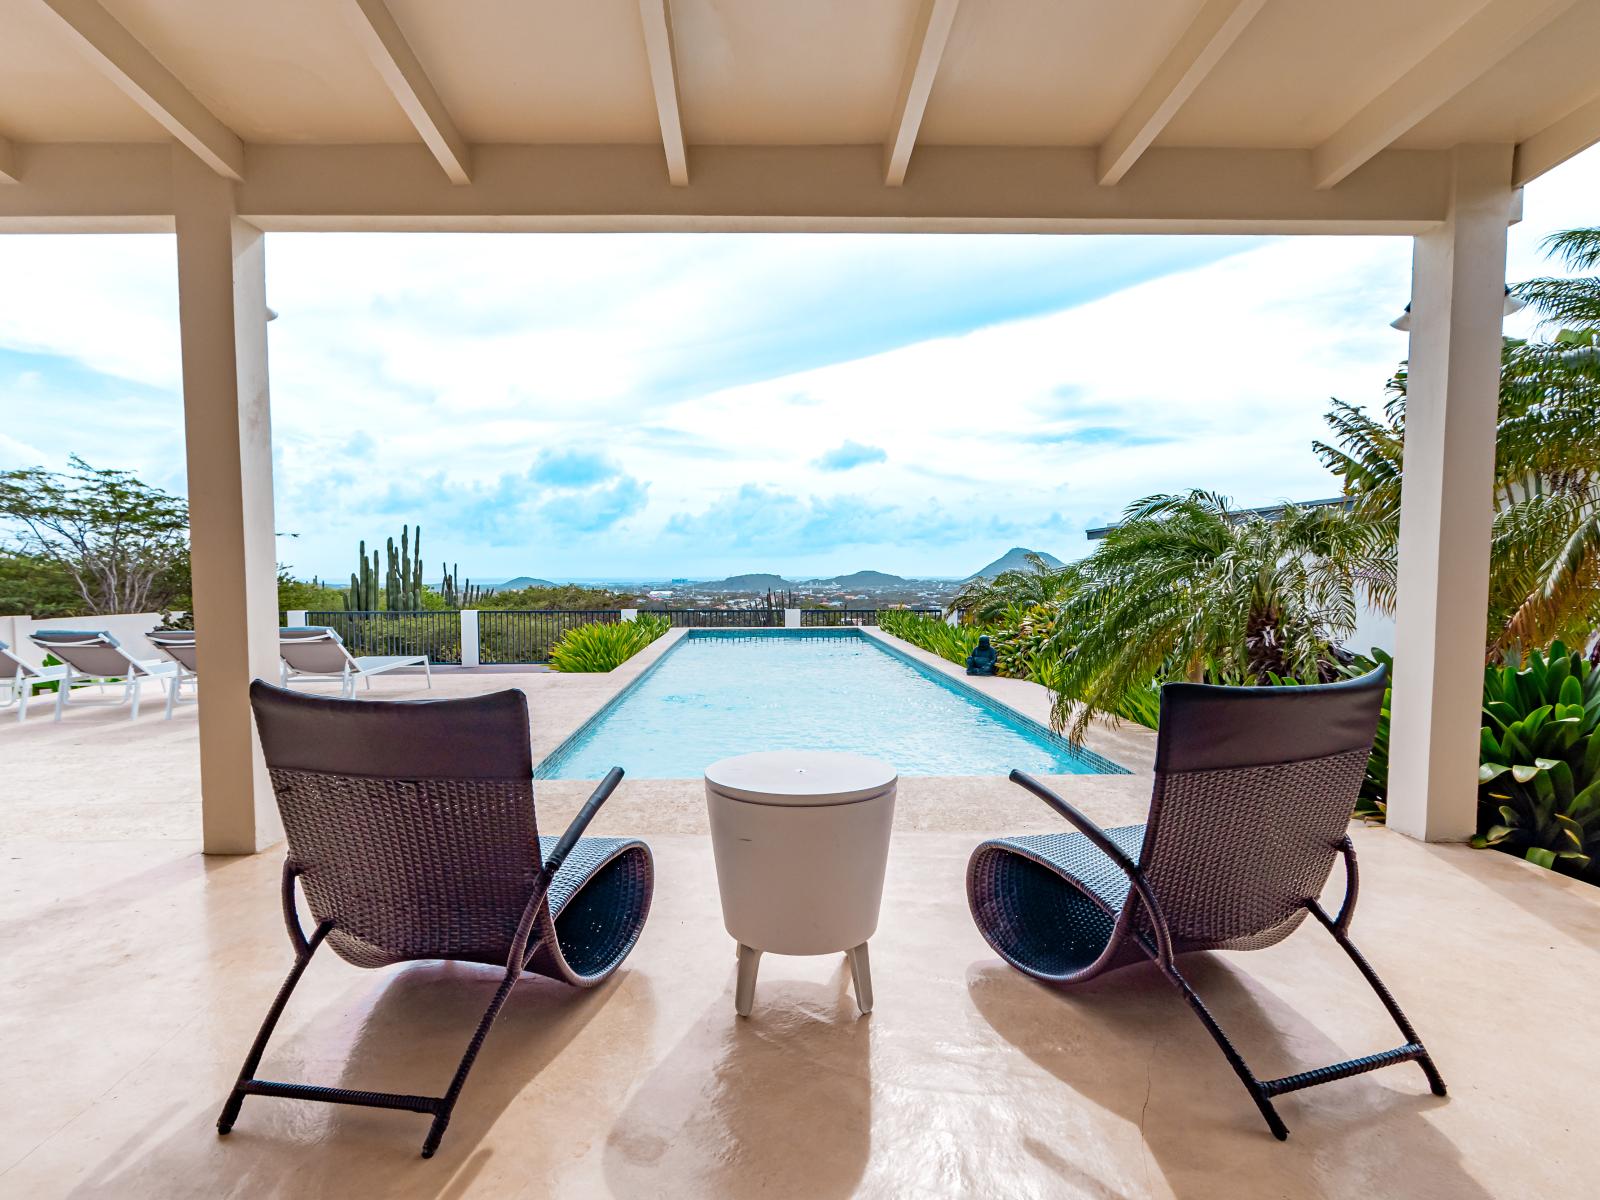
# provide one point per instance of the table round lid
(801, 777)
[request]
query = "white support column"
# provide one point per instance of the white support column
(1446, 505)
(294, 617)
(630, 614)
(222, 309)
(791, 618)
(470, 655)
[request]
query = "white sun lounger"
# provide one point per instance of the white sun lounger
(20, 678)
(98, 657)
(179, 646)
(315, 653)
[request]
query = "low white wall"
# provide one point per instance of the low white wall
(127, 628)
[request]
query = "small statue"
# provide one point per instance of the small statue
(982, 660)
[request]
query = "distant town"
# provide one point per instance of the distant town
(859, 589)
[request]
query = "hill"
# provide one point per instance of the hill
(521, 581)
(865, 579)
(1014, 559)
(755, 582)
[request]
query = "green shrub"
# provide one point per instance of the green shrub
(605, 647)
(1539, 760)
(952, 642)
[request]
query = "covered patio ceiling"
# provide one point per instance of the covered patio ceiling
(1177, 115)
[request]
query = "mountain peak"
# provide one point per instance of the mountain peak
(1014, 559)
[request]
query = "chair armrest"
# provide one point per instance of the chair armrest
(1097, 838)
(1352, 885)
(569, 839)
(291, 915)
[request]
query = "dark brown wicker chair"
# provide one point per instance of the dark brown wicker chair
(1254, 788)
(411, 830)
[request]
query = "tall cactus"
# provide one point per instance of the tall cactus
(401, 587)
(465, 596)
(402, 579)
(363, 596)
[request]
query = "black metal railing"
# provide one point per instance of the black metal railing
(720, 618)
(837, 617)
(510, 635)
(434, 632)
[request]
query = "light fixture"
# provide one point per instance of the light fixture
(272, 314)
(1512, 305)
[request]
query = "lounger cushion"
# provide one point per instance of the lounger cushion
(330, 634)
(76, 635)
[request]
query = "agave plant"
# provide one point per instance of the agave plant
(1539, 773)
(604, 647)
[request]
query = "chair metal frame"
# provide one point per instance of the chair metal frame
(23, 678)
(1262, 1091)
(439, 1107)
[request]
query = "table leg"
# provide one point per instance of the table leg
(745, 993)
(861, 976)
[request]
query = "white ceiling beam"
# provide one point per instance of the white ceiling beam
(1554, 144)
(122, 58)
(1215, 28)
(657, 23)
(8, 163)
(1487, 37)
(959, 189)
(916, 84)
(397, 63)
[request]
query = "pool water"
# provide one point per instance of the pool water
(722, 692)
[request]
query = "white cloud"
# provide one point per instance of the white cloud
(560, 405)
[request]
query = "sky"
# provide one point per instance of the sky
(649, 406)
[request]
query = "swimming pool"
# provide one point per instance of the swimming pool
(723, 692)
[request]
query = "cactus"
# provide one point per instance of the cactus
(363, 595)
(401, 589)
(464, 596)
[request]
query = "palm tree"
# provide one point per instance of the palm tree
(1545, 558)
(988, 601)
(1188, 587)
(1574, 302)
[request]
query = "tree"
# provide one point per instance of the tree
(1544, 580)
(1187, 587)
(985, 601)
(36, 587)
(123, 544)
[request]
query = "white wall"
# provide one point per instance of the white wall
(1373, 628)
(127, 628)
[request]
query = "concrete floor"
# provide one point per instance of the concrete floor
(137, 971)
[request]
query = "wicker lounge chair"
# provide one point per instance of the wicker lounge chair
(96, 656)
(318, 653)
(1254, 788)
(19, 678)
(411, 830)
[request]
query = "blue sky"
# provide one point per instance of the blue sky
(645, 406)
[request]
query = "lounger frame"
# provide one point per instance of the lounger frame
(131, 672)
(352, 668)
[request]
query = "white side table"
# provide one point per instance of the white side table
(801, 840)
